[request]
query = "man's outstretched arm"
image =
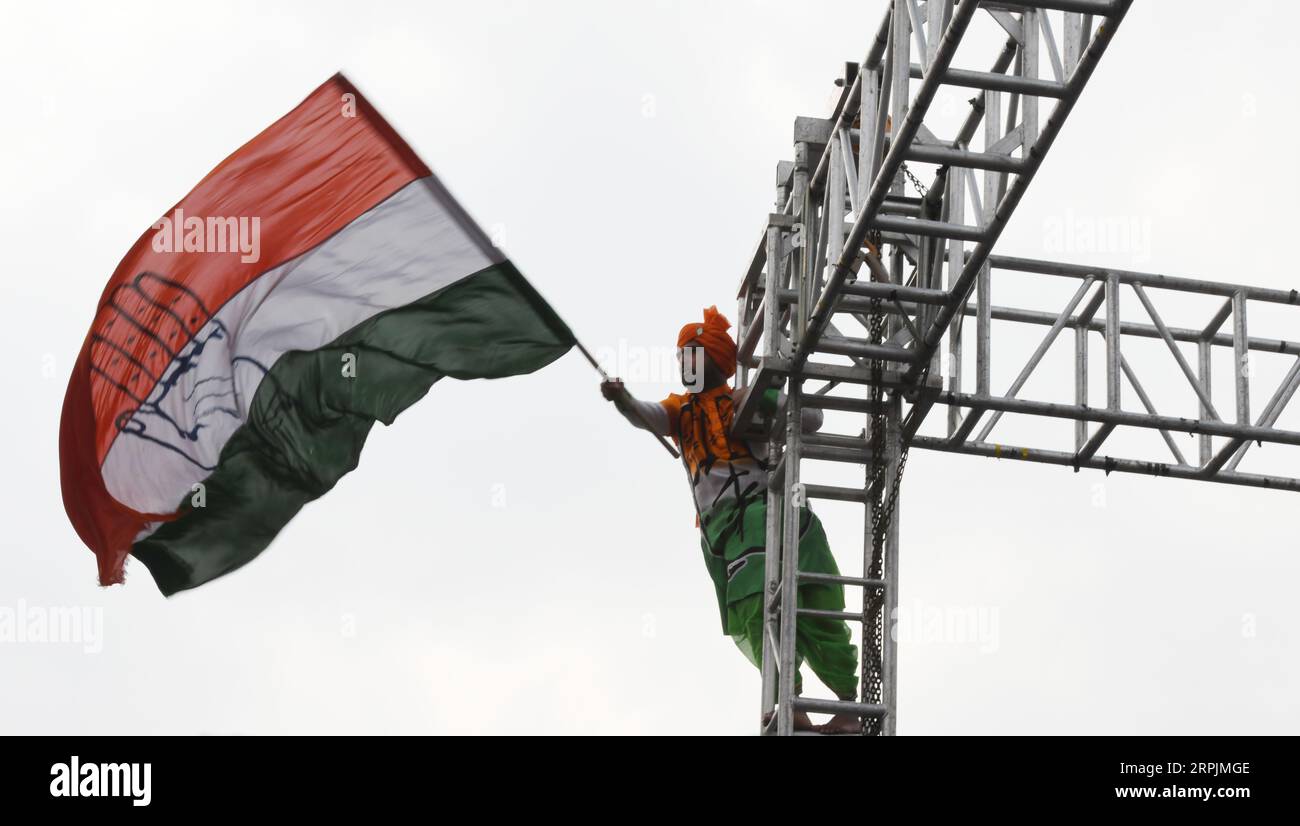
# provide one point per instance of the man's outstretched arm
(646, 415)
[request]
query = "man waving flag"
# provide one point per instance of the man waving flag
(318, 280)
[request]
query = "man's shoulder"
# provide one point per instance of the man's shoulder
(675, 400)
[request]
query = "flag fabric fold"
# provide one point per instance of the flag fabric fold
(318, 280)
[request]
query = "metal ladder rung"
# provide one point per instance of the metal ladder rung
(834, 440)
(839, 707)
(820, 371)
(834, 492)
(895, 292)
(840, 579)
(1105, 8)
(838, 403)
(833, 447)
(861, 348)
(901, 206)
(997, 82)
(847, 455)
(994, 161)
(847, 616)
(930, 229)
(845, 304)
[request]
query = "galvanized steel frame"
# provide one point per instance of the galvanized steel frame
(848, 238)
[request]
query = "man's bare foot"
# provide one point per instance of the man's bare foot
(842, 724)
(802, 722)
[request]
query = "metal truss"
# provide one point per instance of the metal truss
(884, 228)
(1093, 311)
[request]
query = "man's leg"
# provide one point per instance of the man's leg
(825, 644)
(745, 621)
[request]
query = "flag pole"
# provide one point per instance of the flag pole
(637, 413)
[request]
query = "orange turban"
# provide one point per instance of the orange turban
(712, 336)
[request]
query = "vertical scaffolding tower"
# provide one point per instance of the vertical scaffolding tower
(884, 229)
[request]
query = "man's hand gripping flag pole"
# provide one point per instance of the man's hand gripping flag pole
(635, 412)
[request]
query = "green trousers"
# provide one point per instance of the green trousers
(734, 554)
(823, 643)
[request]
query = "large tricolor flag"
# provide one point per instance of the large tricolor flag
(319, 279)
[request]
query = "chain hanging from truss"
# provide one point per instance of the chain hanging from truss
(882, 513)
(920, 187)
(872, 602)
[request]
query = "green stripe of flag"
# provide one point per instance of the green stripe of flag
(308, 422)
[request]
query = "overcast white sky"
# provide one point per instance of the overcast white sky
(511, 557)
